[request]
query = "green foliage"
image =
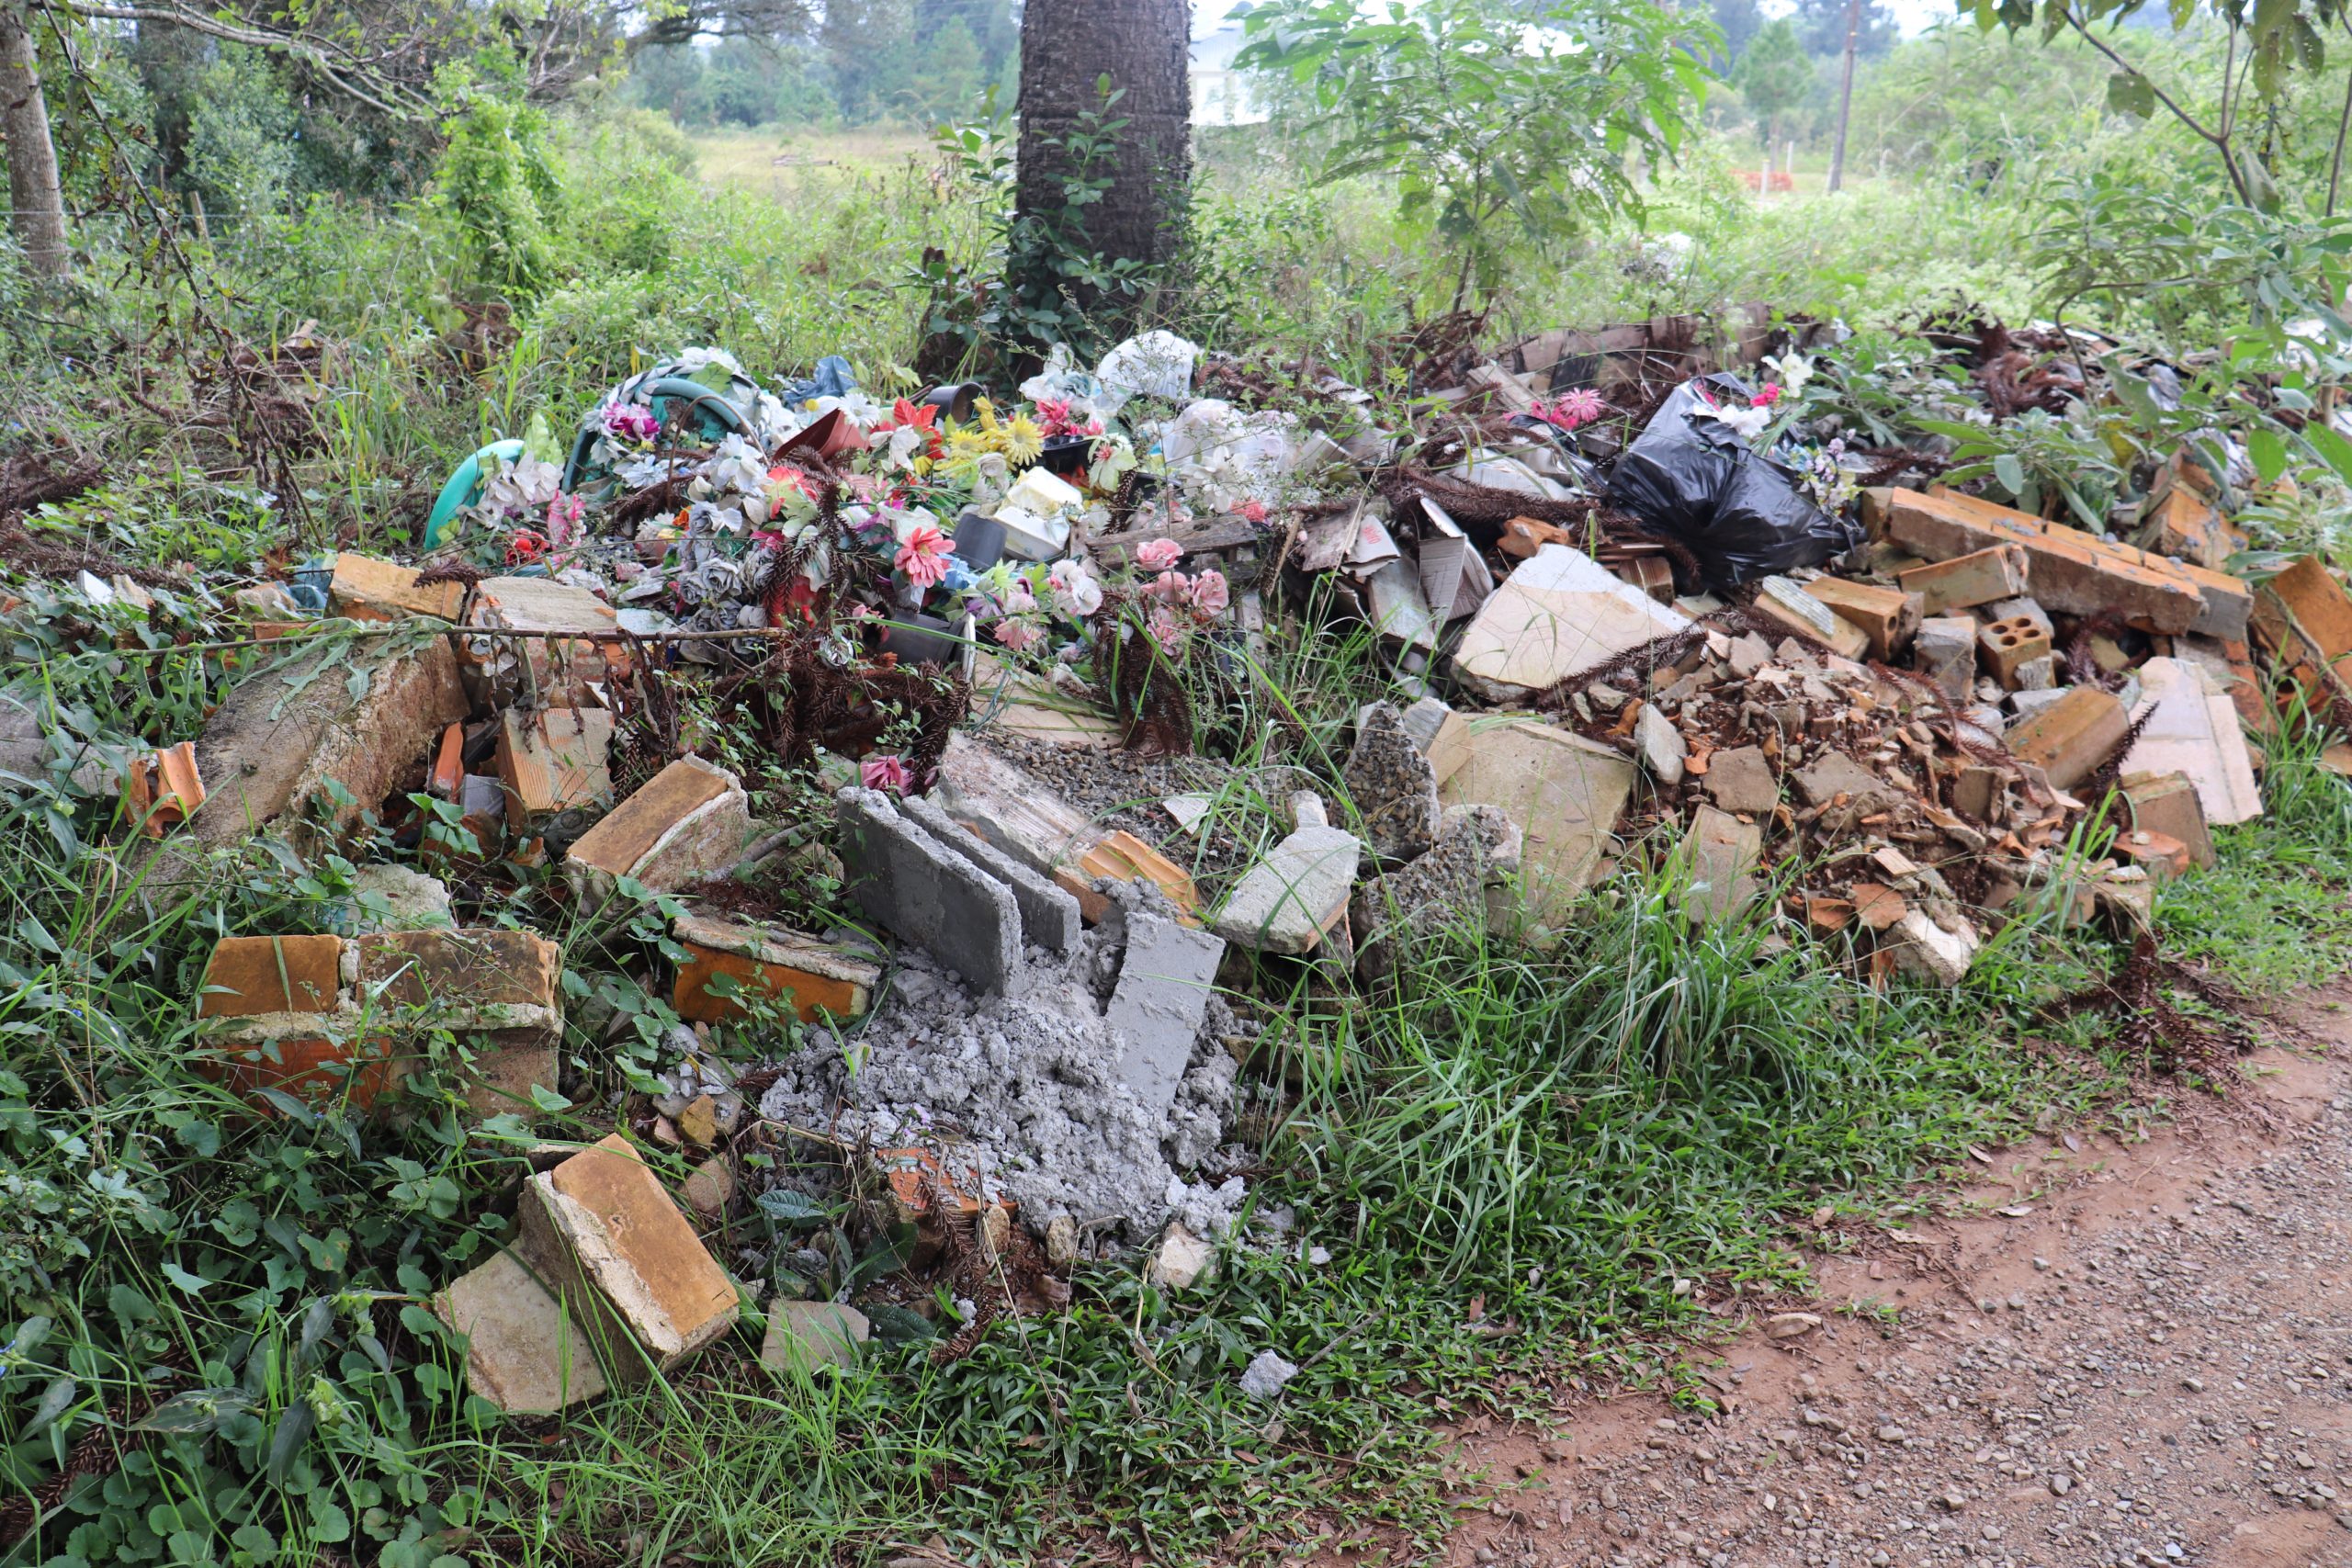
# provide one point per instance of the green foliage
(1435, 98)
(495, 183)
(241, 146)
(1775, 75)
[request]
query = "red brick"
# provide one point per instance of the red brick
(1980, 577)
(1888, 616)
(366, 589)
(251, 975)
(814, 977)
(2002, 646)
(2072, 735)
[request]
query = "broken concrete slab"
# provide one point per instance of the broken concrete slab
(526, 1352)
(1721, 853)
(812, 978)
(1742, 779)
(1566, 794)
(806, 1335)
(1392, 786)
(689, 821)
(392, 898)
(1019, 702)
(1833, 776)
(2071, 736)
(2188, 726)
(1558, 615)
(1289, 901)
(1166, 978)
(1462, 887)
(1010, 806)
(909, 883)
(601, 1229)
(1049, 916)
(1946, 654)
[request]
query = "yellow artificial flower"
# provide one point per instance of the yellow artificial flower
(967, 443)
(987, 410)
(1022, 441)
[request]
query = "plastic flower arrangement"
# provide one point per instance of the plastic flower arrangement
(1572, 410)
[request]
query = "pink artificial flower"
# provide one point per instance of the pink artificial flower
(1255, 510)
(1092, 427)
(1053, 416)
(1015, 633)
(863, 613)
(885, 773)
(923, 557)
(563, 516)
(1159, 555)
(1765, 399)
(1210, 595)
(1166, 631)
(632, 422)
(1571, 410)
(1170, 587)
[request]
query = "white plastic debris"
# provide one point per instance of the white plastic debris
(1157, 363)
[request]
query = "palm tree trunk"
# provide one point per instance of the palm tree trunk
(37, 204)
(1069, 48)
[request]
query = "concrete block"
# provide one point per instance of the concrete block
(366, 589)
(2071, 736)
(1565, 792)
(1558, 615)
(909, 883)
(689, 821)
(1946, 654)
(1663, 750)
(551, 763)
(526, 1352)
(2002, 647)
(1786, 601)
(1463, 885)
(2188, 726)
(1980, 577)
(812, 978)
(1050, 914)
(805, 1335)
(1888, 616)
(600, 1230)
(2168, 804)
(1165, 980)
(1742, 779)
(1290, 900)
(1722, 852)
(1927, 951)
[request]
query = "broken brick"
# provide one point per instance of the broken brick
(2003, 646)
(1888, 616)
(162, 788)
(688, 821)
(252, 975)
(812, 977)
(552, 762)
(2071, 736)
(2168, 804)
(1980, 577)
(601, 1228)
(525, 1351)
(366, 589)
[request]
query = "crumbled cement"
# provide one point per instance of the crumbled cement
(1264, 1376)
(1026, 1087)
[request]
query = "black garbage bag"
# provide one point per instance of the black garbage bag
(1738, 511)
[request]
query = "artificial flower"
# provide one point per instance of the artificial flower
(1075, 591)
(924, 557)
(884, 774)
(1210, 593)
(1745, 424)
(1794, 369)
(1252, 510)
(1173, 587)
(1016, 633)
(1159, 555)
(1020, 440)
(1766, 397)
(1571, 410)
(1165, 631)
(631, 421)
(563, 519)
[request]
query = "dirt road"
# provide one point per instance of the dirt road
(2140, 1353)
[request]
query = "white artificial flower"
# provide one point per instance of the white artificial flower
(1075, 591)
(1792, 370)
(905, 520)
(1745, 424)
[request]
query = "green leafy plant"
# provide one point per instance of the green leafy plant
(1491, 121)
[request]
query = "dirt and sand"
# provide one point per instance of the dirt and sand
(2116, 1351)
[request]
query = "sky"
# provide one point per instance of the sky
(1911, 16)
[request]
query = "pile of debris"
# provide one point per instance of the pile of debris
(1021, 1040)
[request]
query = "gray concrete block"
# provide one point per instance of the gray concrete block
(909, 883)
(1049, 916)
(1164, 985)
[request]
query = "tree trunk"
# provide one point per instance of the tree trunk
(1846, 93)
(1142, 47)
(36, 205)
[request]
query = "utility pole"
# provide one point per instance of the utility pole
(1846, 93)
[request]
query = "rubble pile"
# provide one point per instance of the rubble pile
(978, 1009)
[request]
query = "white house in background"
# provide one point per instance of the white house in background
(1220, 94)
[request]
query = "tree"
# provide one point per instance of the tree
(1077, 56)
(36, 199)
(1737, 20)
(1822, 25)
(1774, 77)
(1491, 123)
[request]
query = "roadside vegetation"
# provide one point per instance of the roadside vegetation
(1526, 1174)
